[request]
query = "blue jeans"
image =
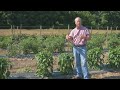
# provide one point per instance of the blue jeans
(80, 56)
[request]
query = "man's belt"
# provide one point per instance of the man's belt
(80, 45)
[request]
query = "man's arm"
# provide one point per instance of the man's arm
(86, 37)
(69, 38)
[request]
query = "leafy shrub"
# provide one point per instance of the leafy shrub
(65, 63)
(44, 63)
(54, 43)
(4, 42)
(13, 50)
(95, 61)
(114, 58)
(29, 45)
(113, 43)
(4, 68)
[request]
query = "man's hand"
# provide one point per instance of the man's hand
(67, 37)
(70, 39)
(83, 36)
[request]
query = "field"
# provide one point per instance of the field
(4, 32)
(28, 64)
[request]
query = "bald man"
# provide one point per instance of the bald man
(79, 37)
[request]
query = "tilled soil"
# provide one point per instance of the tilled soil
(25, 69)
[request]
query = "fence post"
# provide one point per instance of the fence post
(53, 27)
(111, 29)
(116, 28)
(68, 26)
(40, 26)
(12, 29)
(107, 27)
(40, 29)
(17, 29)
(107, 37)
(91, 30)
(98, 27)
(20, 28)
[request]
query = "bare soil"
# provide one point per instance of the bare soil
(29, 65)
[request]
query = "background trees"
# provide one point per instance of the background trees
(59, 18)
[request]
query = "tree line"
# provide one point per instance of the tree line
(59, 18)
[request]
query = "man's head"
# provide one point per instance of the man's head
(78, 22)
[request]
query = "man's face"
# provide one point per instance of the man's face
(77, 22)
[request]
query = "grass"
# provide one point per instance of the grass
(7, 32)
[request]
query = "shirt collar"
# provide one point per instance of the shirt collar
(79, 28)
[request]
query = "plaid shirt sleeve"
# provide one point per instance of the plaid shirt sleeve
(87, 32)
(71, 34)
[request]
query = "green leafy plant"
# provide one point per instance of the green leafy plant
(96, 41)
(4, 42)
(114, 58)
(54, 44)
(95, 61)
(113, 43)
(65, 63)
(13, 50)
(44, 63)
(29, 45)
(4, 68)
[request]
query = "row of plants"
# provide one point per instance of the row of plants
(95, 57)
(25, 44)
(97, 40)
(65, 63)
(114, 51)
(113, 40)
(114, 58)
(95, 52)
(45, 63)
(53, 43)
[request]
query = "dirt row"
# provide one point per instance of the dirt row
(24, 68)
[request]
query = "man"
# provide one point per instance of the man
(78, 37)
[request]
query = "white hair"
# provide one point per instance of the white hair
(77, 19)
